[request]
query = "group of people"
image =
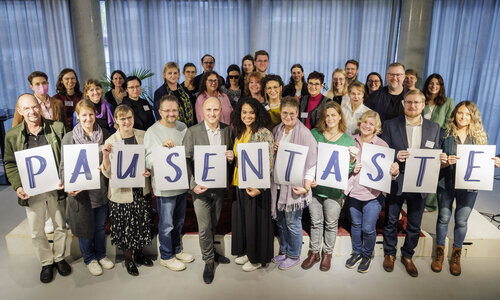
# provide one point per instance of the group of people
(250, 106)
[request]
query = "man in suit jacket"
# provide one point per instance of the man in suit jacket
(403, 133)
(208, 202)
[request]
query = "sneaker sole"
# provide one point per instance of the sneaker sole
(365, 271)
(251, 270)
(175, 270)
(353, 266)
(288, 268)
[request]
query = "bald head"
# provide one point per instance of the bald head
(29, 108)
(212, 111)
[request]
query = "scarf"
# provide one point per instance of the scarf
(105, 113)
(80, 137)
(185, 106)
(289, 201)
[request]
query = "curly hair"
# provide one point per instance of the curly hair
(268, 78)
(61, 89)
(203, 82)
(321, 125)
(259, 77)
(262, 118)
(476, 130)
(440, 98)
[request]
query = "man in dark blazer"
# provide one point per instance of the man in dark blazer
(403, 133)
(208, 202)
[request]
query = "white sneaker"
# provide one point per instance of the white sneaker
(249, 267)
(106, 263)
(49, 226)
(184, 257)
(173, 264)
(241, 260)
(94, 268)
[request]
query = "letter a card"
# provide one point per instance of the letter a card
(127, 166)
(37, 169)
(332, 169)
(422, 171)
(376, 164)
(210, 167)
(170, 170)
(81, 163)
(475, 169)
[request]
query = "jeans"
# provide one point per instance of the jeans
(415, 204)
(290, 232)
(465, 203)
(364, 215)
(95, 248)
(171, 211)
(327, 211)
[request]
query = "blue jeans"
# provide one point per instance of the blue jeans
(364, 215)
(465, 203)
(290, 232)
(95, 248)
(171, 211)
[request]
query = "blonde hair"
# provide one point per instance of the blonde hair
(415, 92)
(331, 92)
(171, 65)
(87, 84)
(84, 104)
(122, 110)
(371, 114)
(321, 125)
(356, 85)
(476, 130)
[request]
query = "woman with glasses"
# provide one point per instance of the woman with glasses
(310, 105)
(143, 111)
(338, 90)
(210, 86)
(373, 83)
(273, 85)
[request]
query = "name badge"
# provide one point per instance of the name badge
(267, 107)
(303, 115)
(68, 103)
(429, 144)
(427, 116)
(146, 107)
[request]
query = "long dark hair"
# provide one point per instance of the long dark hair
(292, 82)
(440, 98)
(203, 82)
(231, 68)
(262, 118)
(120, 72)
(366, 82)
(61, 89)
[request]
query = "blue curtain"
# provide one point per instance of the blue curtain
(35, 35)
(321, 35)
(464, 49)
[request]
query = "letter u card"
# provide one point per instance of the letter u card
(37, 169)
(475, 169)
(127, 166)
(81, 167)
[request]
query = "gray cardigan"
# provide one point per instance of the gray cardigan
(79, 208)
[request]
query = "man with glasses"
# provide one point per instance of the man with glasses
(208, 64)
(351, 70)
(261, 61)
(409, 131)
(171, 204)
(387, 101)
(35, 131)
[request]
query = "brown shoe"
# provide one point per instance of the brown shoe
(312, 258)
(455, 268)
(326, 260)
(389, 262)
(410, 267)
(437, 262)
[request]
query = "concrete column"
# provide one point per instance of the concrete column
(416, 18)
(86, 19)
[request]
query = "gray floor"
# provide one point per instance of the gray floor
(19, 276)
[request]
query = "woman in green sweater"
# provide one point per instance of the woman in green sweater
(327, 202)
(438, 109)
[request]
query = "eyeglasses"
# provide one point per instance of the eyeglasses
(314, 84)
(410, 103)
(135, 87)
(233, 76)
(395, 74)
(212, 81)
(208, 62)
(373, 81)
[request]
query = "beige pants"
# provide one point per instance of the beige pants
(35, 212)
